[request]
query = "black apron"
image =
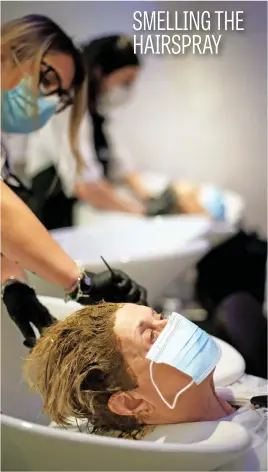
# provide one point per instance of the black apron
(45, 198)
(55, 210)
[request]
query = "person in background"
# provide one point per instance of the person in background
(42, 73)
(112, 68)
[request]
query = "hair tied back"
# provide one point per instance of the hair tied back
(123, 42)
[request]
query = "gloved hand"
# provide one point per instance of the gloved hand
(23, 307)
(109, 286)
(164, 204)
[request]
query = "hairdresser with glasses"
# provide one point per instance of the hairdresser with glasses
(112, 69)
(41, 75)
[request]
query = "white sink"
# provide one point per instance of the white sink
(152, 251)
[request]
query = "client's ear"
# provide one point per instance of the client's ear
(128, 404)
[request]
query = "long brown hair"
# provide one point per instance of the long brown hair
(106, 54)
(33, 36)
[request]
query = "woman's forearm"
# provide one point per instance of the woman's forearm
(135, 183)
(11, 269)
(27, 242)
(102, 196)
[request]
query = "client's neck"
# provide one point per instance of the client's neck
(199, 403)
(209, 406)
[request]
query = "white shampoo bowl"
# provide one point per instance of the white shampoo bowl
(29, 444)
(153, 252)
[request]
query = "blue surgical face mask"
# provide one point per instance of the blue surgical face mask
(23, 113)
(212, 199)
(188, 348)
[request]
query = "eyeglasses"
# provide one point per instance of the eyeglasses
(50, 84)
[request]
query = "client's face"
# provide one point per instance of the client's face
(137, 328)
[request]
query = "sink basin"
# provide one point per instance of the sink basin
(152, 251)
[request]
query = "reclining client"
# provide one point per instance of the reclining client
(123, 370)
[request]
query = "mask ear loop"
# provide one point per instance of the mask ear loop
(172, 405)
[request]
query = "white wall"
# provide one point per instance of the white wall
(222, 113)
(81, 19)
(201, 118)
(213, 123)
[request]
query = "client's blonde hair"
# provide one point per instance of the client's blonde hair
(31, 37)
(77, 366)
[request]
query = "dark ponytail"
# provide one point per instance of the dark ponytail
(103, 56)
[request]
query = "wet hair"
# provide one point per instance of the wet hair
(33, 36)
(78, 365)
(102, 57)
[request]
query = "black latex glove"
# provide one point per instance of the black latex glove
(164, 204)
(110, 287)
(23, 307)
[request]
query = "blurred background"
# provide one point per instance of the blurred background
(203, 118)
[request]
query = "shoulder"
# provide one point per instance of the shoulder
(255, 423)
(241, 391)
(59, 121)
(250, 385)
